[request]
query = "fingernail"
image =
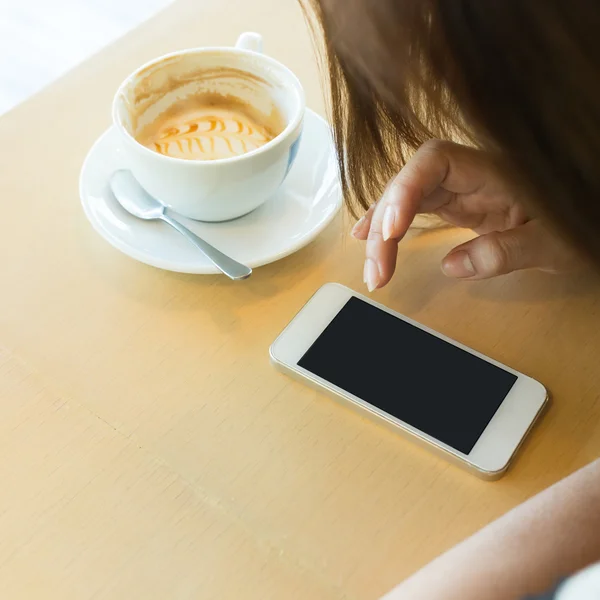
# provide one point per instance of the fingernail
(388, 227)
(356, 229)
(458, 264)
(371, 274)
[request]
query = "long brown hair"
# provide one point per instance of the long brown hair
(519, 79)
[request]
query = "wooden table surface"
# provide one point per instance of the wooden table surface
(148, 449)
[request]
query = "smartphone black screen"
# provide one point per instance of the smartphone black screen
(418, 378)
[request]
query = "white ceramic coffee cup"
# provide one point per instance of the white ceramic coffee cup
(211, 190)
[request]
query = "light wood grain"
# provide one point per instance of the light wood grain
(149, 450)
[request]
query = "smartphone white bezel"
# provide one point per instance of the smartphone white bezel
(492, 453)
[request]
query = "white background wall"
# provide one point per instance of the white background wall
(42, 39)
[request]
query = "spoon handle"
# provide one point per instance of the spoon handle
(224, 263)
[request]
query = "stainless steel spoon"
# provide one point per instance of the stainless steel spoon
(137, 201)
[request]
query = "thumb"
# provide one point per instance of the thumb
(529, 246)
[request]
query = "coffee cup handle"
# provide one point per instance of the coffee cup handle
(250, 41)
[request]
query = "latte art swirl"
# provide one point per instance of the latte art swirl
(207, 133)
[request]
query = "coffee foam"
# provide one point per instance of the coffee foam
(208, 127)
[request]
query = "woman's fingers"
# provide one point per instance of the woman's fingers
(396, 209)
(528, 246)
(361, 230)
(431, 178)
(394, 212)
(418, 187)
(422, 175)
(381, 256)
(375, 273)
(436, 172)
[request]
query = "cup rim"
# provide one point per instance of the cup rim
(277, 140)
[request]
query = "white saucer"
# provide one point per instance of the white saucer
(301, 209)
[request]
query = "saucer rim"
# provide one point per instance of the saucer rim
(205, 269)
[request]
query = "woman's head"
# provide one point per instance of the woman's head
(517, 78)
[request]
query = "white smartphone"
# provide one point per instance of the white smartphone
(472, 409)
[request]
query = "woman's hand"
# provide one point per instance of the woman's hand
(458, 184)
